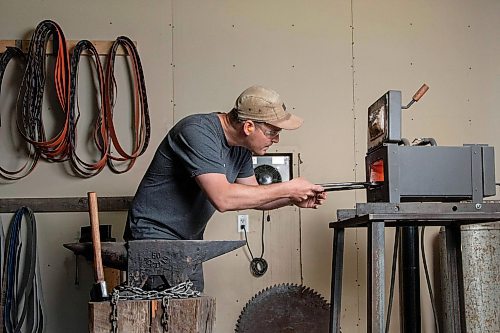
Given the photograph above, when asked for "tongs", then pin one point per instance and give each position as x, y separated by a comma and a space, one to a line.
349, 186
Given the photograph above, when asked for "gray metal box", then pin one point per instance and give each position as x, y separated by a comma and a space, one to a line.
432, 173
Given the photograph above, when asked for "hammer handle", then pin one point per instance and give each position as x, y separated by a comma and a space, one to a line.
96, 238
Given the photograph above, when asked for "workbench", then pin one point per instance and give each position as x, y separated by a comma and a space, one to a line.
376, 217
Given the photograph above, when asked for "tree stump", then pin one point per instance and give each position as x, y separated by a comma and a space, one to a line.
190, 315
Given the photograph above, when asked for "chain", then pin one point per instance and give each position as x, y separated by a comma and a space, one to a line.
114, 312
164, 316
128, 293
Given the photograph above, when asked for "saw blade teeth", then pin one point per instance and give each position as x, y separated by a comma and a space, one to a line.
263, 306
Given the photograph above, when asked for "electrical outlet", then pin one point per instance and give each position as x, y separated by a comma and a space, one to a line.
243, 223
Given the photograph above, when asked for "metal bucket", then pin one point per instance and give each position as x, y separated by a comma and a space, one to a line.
481, 274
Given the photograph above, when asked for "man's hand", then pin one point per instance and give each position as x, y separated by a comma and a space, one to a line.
304, 194
311, 202
300, 190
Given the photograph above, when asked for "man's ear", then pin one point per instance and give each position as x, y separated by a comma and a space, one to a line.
248, 127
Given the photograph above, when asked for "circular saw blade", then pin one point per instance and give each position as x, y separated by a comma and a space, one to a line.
285, 308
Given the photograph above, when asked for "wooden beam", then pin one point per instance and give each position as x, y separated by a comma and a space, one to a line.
102, 46
66, 204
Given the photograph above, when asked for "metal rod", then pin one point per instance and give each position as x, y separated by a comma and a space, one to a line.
349, 186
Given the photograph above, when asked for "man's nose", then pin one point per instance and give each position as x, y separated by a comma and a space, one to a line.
276, 139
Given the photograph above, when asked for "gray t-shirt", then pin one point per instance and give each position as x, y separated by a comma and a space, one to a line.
169, 204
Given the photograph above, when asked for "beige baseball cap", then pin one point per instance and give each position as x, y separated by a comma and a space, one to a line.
265, 105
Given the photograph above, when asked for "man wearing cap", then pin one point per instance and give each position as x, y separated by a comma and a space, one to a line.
205, 164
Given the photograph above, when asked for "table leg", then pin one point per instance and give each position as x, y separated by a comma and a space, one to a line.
376, 278
336, 286
454, 263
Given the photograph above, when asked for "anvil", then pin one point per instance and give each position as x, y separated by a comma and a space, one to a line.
170, 259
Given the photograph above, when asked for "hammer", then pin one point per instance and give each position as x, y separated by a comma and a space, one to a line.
99, 291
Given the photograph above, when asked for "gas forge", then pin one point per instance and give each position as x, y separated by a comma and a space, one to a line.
421, 171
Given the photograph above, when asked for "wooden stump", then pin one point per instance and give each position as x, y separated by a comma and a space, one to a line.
191, 315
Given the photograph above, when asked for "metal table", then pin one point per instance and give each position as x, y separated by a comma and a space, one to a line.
377, 216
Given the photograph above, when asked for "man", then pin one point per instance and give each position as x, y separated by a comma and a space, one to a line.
205, 164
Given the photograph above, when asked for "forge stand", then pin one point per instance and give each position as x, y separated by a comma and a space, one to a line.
376, 217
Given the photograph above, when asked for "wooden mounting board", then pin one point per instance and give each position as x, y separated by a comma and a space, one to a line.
102, 46
67, 204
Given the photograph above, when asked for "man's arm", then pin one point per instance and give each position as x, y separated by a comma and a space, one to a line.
310, 202
247, 194
270, 205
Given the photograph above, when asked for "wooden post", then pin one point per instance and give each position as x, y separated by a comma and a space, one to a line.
190, 315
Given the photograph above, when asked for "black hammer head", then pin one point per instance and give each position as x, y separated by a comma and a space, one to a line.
99, 292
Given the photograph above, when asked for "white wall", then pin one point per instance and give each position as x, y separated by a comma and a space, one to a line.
329, 60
